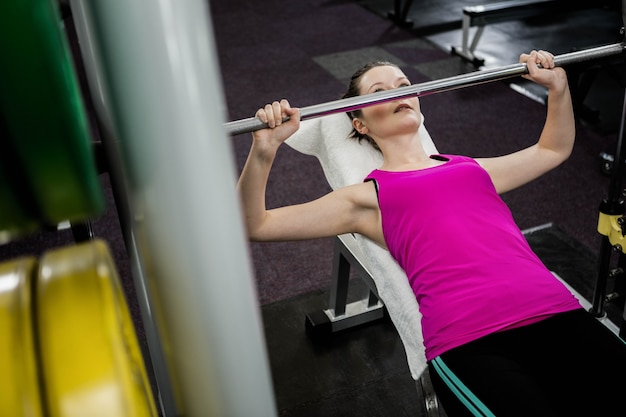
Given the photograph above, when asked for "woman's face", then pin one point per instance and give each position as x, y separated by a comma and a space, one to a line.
393, 117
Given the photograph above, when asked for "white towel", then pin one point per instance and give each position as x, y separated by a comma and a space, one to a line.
346, 161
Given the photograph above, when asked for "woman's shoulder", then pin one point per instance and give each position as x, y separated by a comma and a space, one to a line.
363, 194
361, 188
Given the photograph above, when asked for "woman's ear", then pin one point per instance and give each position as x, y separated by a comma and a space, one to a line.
359, 126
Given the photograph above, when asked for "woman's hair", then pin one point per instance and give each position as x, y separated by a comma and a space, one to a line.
353, 91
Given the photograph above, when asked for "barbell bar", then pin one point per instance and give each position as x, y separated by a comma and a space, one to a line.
252, 124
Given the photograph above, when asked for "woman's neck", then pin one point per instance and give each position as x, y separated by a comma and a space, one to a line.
404, 153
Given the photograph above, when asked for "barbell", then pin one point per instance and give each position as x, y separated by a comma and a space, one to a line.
252, 124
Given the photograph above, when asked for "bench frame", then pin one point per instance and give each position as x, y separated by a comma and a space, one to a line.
341, 315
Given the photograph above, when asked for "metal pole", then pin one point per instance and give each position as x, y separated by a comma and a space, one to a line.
612, 205
430, 87
166, 100
91, 56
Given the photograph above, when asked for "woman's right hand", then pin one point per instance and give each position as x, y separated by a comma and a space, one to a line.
278, 130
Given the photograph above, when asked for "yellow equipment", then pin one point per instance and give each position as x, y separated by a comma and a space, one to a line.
68, 341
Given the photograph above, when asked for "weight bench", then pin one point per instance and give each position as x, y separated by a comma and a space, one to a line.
482, 15
344, 162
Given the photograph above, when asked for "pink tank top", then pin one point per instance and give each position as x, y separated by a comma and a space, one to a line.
470, 267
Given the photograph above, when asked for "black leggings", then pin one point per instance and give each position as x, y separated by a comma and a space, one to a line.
567, 365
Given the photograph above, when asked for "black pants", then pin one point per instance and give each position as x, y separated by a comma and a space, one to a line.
567, 365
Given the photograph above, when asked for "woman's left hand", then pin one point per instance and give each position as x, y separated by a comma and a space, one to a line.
547, 75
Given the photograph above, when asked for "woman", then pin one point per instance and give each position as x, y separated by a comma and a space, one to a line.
503, 336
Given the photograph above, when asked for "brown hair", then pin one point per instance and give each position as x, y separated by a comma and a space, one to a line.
353, 91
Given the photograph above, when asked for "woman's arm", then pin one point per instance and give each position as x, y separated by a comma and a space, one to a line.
265, 143
557, 137
350, 209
